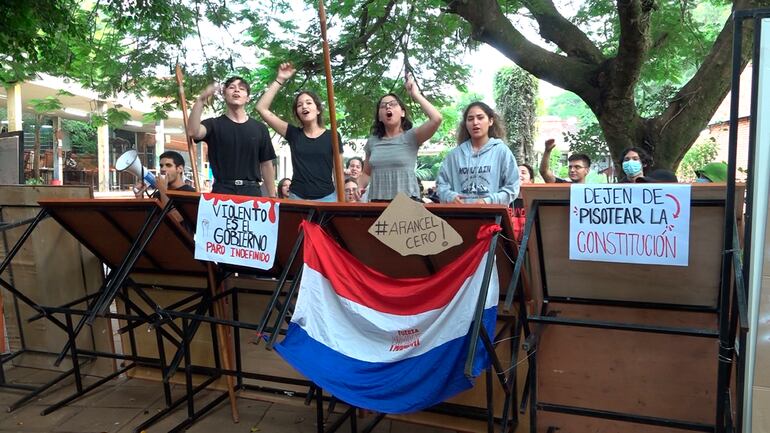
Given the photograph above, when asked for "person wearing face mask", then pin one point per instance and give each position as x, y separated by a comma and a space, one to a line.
391, 151
635, 163
481, 169
312, 156
239, 147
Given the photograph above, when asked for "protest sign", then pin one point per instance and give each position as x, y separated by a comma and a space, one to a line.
407, 227
237, 230
630, 223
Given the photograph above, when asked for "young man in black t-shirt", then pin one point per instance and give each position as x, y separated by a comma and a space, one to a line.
240, 151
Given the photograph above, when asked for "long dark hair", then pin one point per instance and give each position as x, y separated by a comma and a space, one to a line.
378, 128
314, 96
496, 130
280, 187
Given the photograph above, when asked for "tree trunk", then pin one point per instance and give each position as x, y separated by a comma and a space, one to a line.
606, 84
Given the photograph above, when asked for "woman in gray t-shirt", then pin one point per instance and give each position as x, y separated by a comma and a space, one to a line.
391, 151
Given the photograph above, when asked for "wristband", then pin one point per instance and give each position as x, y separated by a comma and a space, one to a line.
279, 83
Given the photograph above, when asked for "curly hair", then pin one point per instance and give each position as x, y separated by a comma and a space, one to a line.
644, 157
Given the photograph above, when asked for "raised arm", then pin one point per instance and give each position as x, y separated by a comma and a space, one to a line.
194, 127
545, 163
285, 72
425, 131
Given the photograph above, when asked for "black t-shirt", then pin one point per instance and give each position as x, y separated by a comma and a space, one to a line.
185, 187
560, 180
237, 149
313, 163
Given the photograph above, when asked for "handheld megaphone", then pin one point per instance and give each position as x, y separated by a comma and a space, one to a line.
130, 162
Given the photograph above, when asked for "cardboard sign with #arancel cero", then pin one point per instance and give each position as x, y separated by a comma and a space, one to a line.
407, 227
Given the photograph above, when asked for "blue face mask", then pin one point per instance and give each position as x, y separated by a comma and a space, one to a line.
632, 168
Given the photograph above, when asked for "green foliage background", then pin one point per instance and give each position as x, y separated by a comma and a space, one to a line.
515, 92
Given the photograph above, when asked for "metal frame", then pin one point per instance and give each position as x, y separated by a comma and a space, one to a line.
193, 317
117, 284
728, 309
11, 253
196, 309
730, 349
281, 302
507, 383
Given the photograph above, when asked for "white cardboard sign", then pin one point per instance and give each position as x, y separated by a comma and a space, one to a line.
630, 223
237, 230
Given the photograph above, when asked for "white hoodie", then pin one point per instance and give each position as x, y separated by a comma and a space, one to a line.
491, 174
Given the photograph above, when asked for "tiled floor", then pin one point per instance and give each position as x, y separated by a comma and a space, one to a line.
122, 404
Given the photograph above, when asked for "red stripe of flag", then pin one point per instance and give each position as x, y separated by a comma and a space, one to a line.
353, 280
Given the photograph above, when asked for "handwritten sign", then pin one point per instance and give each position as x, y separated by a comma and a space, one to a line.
634, 223
407, 227
237, 230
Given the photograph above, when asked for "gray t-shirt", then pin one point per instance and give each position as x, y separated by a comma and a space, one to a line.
392, 160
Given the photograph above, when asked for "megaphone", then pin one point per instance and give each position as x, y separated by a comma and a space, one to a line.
130, 162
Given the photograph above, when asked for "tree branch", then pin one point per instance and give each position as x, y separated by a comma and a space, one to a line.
695, 103
634, 43
489, 25
364, 34
557, 29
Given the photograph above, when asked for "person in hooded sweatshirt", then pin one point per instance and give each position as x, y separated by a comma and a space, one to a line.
481, 169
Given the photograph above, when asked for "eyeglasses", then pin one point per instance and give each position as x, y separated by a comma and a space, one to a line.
389, 104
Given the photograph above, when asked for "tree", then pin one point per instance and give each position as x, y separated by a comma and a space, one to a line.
82, 136
516, 100
37, 36
700, 154
604, 62
652, 72
589, 138
451, 113
429, 165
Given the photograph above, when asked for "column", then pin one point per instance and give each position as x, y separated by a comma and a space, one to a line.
14, 107
103, 151
58, 167
160, 141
